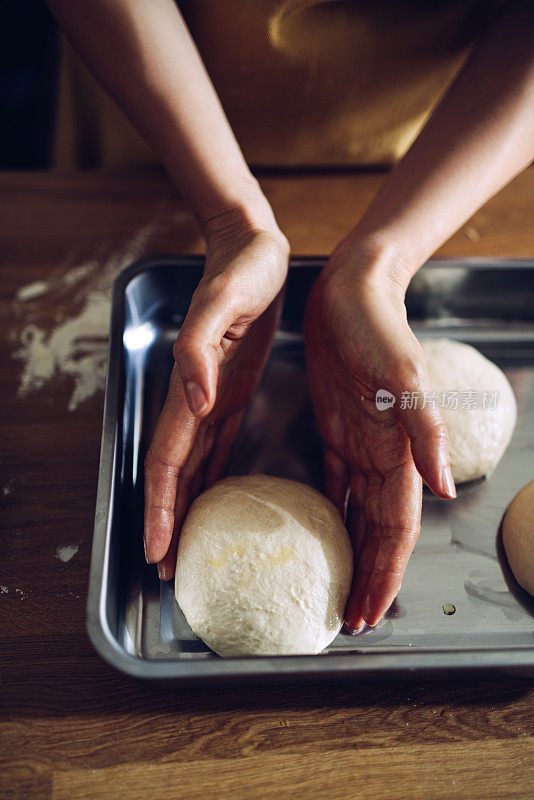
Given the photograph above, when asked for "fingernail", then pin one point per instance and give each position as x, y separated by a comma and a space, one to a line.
447, 482
372, 622
163, 572
196, 398
349, 630
370, 618
144, 548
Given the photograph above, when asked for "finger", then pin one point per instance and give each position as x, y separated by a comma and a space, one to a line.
196, 485
167, 565
212, 312
358, 488
188, 489
354, 620
366, 501
393, 509
336, 482
357, 529
426, 430
224, 440
168, 452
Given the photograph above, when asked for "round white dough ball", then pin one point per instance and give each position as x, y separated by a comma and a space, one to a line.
264, 567
518, 537
478, 436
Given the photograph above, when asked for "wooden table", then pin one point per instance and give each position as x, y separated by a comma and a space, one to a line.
73, 728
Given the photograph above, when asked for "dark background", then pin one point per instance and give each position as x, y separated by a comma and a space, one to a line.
28, 71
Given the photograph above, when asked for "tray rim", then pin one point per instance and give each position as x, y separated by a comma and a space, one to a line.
352, 664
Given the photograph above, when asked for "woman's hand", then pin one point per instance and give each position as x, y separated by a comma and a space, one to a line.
358, 341
357, 336
219, 355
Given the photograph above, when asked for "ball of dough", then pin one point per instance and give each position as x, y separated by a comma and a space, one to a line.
518, 537
478, 436
264, 567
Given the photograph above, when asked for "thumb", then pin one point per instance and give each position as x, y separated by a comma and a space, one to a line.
211, 313
417, 409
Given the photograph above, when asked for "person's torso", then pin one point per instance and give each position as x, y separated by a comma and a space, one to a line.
312, 82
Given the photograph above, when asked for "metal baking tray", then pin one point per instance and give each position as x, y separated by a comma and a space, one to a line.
133, 619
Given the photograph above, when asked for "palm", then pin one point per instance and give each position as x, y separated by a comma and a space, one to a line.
240, 366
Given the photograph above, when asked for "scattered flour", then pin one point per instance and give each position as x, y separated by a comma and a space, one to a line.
21, 592
31, 290
67, 552
77, 345
77, 274
4, 589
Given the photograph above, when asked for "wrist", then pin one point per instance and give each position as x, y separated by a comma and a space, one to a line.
372, 259
245, 214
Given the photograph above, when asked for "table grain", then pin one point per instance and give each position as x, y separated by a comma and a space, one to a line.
70, 726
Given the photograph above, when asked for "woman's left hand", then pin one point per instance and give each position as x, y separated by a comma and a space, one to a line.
219, 356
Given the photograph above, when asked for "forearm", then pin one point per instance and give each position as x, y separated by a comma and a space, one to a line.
479, 138
142, 53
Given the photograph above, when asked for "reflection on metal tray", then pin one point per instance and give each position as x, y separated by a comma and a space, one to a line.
133, 619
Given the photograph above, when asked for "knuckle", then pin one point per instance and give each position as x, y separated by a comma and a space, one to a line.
409, 374
183, 344
153, 463
163, 509
186, 345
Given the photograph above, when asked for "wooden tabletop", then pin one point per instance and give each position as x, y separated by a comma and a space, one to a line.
70, 726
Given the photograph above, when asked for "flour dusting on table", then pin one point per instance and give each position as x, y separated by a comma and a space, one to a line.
31, 290
76, 346
67, 552
8, 488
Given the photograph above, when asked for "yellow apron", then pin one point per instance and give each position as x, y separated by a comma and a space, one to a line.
305, 83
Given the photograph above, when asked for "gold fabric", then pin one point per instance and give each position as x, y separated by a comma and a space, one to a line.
303, 82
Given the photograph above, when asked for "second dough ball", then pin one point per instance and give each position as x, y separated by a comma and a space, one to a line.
518, 537
264, 567
479, 429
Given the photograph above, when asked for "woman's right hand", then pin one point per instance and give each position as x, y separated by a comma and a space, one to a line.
358, 342
219, 356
